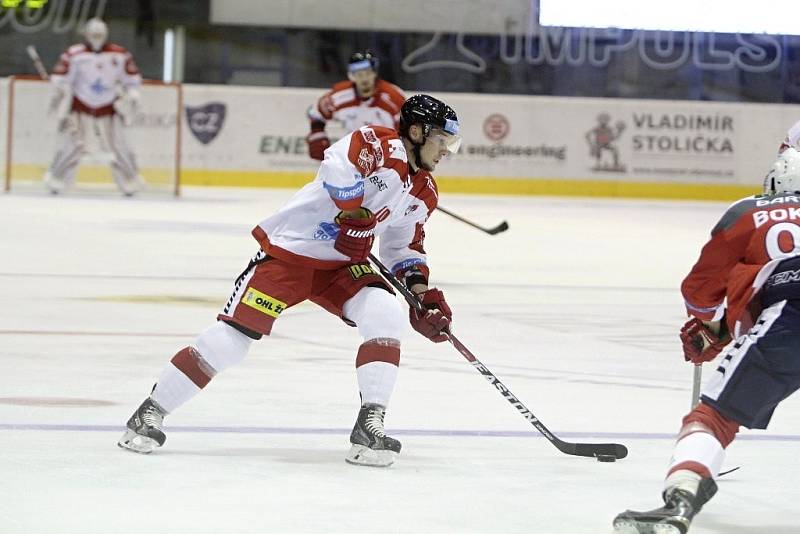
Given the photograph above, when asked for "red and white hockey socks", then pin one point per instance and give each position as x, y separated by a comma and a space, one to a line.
217, 347
376, 366
700, 449
182, 378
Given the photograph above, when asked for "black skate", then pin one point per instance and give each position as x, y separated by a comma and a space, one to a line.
674, 517
370, 444
144, 432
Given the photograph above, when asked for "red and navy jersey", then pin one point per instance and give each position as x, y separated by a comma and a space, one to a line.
752, 236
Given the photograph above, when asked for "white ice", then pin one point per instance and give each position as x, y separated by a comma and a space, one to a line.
576, 308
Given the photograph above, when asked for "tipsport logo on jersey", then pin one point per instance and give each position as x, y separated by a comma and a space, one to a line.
205, 122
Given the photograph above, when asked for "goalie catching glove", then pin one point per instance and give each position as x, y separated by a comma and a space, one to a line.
700, 341
434, 321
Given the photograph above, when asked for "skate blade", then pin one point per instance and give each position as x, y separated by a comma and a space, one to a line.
631, 526
136, 443
363, 455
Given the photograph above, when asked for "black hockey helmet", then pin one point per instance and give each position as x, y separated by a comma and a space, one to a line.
363, 60
431, 113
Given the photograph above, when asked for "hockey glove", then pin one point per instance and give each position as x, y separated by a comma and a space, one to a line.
317, 141
434, 323
700, 343
356, 235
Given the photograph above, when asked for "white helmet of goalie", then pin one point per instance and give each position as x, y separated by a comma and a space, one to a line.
96, 33
784, 176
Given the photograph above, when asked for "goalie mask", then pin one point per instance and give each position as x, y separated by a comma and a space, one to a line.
784, 176
96, 33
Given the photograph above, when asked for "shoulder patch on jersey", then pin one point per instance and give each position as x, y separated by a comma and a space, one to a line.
397, 150
341, 97
76, 49
734, 213
426, 190
113, 47
392, 95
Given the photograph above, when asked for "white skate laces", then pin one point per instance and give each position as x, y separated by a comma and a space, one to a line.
152, 416
374, 422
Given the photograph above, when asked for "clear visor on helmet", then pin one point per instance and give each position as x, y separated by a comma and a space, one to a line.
444, 140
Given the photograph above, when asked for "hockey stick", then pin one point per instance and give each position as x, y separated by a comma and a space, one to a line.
602, 451
37, 62
696, 380
502, 227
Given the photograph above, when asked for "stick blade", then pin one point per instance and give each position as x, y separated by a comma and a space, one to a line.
590, 450
502, 227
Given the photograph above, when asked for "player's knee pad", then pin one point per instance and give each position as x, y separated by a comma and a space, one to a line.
705, 418
221, 346
377, 314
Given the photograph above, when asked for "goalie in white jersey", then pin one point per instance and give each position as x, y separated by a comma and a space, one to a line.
373, 182
97, 92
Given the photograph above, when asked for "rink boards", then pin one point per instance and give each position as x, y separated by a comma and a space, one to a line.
255, 136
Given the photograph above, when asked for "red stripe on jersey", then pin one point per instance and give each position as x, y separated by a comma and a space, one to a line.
398, 166
102, 111
418, 241
350, 204
425, 189
113, 47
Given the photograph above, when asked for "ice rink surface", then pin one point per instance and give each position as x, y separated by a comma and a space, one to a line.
576, 308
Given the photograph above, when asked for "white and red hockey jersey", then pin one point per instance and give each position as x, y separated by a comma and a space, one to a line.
94, 78
343, 104
368, 168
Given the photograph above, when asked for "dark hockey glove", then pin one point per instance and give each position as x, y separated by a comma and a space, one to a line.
700, 343
356, 235
317, 141
434, 322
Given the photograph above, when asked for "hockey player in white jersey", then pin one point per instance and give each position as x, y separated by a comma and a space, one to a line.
360, 100
97, 92
374, 182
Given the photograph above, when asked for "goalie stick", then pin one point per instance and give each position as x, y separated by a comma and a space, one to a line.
502, 227
597, 450
37, 62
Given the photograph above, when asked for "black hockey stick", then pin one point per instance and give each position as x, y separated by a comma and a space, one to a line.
601, 451
502, 227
